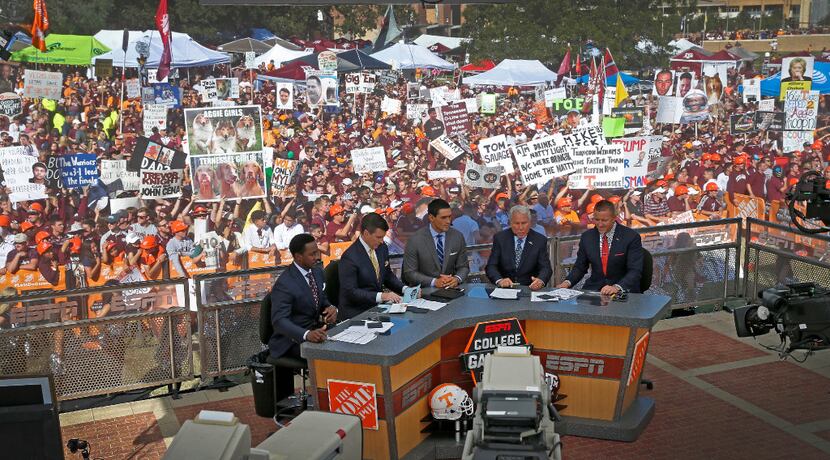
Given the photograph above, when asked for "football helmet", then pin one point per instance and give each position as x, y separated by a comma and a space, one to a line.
449, 402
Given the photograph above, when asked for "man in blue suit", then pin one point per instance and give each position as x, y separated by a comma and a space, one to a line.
299, 308
364, 270
519, 255
613, 251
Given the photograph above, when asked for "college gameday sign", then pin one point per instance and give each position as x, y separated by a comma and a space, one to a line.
488, 336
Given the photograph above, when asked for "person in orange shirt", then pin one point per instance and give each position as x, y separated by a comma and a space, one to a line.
152, 258
565, 215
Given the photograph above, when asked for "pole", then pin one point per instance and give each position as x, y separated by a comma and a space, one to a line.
124, 45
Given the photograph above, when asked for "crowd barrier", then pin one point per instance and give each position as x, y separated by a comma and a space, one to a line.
100, 340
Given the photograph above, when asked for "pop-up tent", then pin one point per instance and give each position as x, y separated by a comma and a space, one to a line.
63, 49
279, 55
347, 61
186, 53
244, 45
408, 56
771, 86
478, 67
514, 72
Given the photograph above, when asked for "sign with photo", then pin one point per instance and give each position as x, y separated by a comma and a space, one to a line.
38, 84
227, 88
598, 167
235, 175
742, 123
638, 153
224, 130
372, 159
283, 178
133, 88
663, 83
321, 88
695, 107
633, 116
543, 159
285, 96
167, 94
714, 81
496, 152
23, 175
796, 74
151, 155
161, 184
771, 121
751, 90
482, 176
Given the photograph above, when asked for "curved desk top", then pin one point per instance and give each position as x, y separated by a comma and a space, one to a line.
412, 331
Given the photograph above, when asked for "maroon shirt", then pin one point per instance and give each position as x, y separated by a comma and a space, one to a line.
756, 181
774, 189
737, 183
676, 204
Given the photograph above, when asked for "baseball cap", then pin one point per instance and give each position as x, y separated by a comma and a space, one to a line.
177, 226
427, 190
335, 209
366, 209
43, 246
681, 190
149, 242
660, 190
112, 219
454, 189
132, 238
347, 181
20, 238
26, 225
41, 235
36, 207
5, 221
564, 202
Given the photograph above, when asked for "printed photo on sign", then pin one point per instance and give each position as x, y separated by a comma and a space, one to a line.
227, 88
751, 90
321, 88
150, 155
167, 94
772, 121
413, 90
238, 175
633, 116
282, 178
23, 175
224, 130
714, 81
796, 74
372, 159
695, 108
684, 82
663, 83
161, 184
285, 96
742, 123
482, 176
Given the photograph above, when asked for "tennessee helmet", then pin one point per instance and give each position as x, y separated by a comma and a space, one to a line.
449, 402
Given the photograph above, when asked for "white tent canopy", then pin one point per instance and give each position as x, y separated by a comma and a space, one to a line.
279, 54
186, 52
408, 56
427, 40
514, 72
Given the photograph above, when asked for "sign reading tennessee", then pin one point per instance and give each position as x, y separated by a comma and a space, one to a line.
639, 359
486, 338
354, 398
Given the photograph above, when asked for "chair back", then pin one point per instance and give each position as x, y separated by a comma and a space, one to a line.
332, 275
648, 271
266, 329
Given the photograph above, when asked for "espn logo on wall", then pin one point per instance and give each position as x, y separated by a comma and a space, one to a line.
607, 367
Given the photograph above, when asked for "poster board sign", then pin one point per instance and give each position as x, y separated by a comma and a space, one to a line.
282, 178
444, 174
368, 80
224, 130
154, 116
370, 159
456, 119
150, 155
227, 88
472, 104
488, 104
285, 96
794, 140
613, 126
327, 61
771, 121
390, 105
540, 160
208, 91
103, 68
540, 112
801, 110
232, 175
38, 84
482, 176
633, 116
11, 105
694, 107
445, 146
562, 106
19, 175
352, 81
78, 169
669, 109
796, 74
133, 87
555, 94
496, 151
598, 167
321, 88
417, 112
167, 94
113, 170
751, 90
161, 184
638, 153
354, 398
663, 83
742, 123
585, 136
250, 60
767, 105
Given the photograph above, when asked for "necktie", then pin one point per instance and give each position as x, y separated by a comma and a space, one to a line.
519, 246
374, 259
604, 254
440, 248
313, 285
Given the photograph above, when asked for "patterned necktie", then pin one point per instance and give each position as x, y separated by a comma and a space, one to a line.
440, 248
313, 285
519, 246
604, 254
374, 259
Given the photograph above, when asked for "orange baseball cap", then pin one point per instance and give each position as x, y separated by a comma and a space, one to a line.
335, 209
596, 198
715, 157
36, 207
43, 246
26, 225
739, 160
75, 248
501, 195
427, 190
712, 187
5, 221
40, 236
178, 226
590, 208
681, 190
149, 242
792, 181
564, 202
614, 199
408, 208
705, 157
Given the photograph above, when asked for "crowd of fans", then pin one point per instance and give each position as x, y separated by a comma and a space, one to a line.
74, 229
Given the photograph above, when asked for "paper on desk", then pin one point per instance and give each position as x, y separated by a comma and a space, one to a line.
353, 336
411, 293
554, 295
502, 293
427, 304
378, 330
396, 308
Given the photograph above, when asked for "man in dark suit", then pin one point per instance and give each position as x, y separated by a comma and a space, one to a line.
299, 308
519, 255
436, 254
364, 270
613, 251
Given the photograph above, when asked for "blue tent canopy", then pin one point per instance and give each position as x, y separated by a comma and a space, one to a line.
261, 34
612, 80
771, 86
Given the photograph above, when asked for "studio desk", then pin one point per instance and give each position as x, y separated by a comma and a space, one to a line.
597, 346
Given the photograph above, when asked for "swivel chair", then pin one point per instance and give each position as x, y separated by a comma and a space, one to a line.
645, 284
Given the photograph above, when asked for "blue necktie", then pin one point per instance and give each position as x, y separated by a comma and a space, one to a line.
519, 245
440, 248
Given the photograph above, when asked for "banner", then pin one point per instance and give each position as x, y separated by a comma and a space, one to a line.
488, 104
444, 174
456, 119
282, 178
155, 116
321, 88
390, 105
236, 175
11, 104
78, 169
38, 84
633, 116
224, 130
150, 155
541, 160
370, 159
801, 110
772, 121
495, 152
638, 152
285, 96
669, 110
561, 107
133, 87
445, 146
113, 170
482, 176
742, 123
598, 167
585, 136
794, 140
23, 175
751, 90
796, 74
161, 184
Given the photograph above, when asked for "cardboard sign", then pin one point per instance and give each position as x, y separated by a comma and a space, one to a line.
78, 169
42, 85
250, 60
19, 175
444, 174
282, 178
390, 106
585, 136
370, 159
541, 160
495, 151
600, 167
794, 140
161, 184
234, 175
103, 68
133, 87
561, 107
555, 94
771, 121
613, 126
638, 153
227, 88
368, 81
472, 104
285, 96
445, 146
669, 109
155, 116
352, 81
751, 90
11, 104
354, 398
208, 91
166, 94
482, 176
486, 337
801, 110
488, 104
456, 119
150, 155
767, 105
417, 112
113, 170
321, 88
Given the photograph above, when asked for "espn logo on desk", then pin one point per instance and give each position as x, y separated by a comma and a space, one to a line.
560, 363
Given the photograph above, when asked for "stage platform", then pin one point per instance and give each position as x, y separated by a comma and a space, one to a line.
716, 397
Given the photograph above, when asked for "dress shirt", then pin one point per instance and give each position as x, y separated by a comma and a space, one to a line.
435, 234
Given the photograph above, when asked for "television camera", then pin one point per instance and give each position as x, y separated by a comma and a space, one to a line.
800, 314
813, 189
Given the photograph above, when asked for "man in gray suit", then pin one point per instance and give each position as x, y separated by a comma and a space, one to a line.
436, 255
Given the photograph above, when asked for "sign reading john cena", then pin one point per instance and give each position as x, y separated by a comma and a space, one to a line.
486, 337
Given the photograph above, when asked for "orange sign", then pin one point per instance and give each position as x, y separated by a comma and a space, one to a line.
354, 398
639, 359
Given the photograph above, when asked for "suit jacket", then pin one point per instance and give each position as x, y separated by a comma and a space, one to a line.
293, 311
358, 284
535, 261
420, 258
625, 260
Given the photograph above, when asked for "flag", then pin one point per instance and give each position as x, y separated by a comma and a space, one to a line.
565, 66
579, 64
40, 25
610, 65
622, 93
389, 31
163, 26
